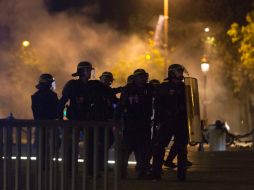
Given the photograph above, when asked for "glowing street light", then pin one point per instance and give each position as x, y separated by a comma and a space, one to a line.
163, 24
166, 36
207, 29
205, 68
25, 43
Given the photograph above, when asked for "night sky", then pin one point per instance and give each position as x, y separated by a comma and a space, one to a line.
119, 12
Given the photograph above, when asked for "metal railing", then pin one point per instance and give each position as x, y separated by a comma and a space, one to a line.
45, 164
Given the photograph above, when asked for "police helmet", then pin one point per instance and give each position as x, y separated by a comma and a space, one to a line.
130, 79
107, 74
175, 69
45, 80
81, 66
154, 82
139, 72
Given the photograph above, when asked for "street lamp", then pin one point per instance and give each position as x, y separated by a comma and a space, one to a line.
205, 68
163, 24
205, 65
166, 36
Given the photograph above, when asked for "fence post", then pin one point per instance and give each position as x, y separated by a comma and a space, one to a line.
74, 156
1, 144
253, 139
6, 160
117, 164
28, 162
1, 141
95, 156
1, 154
18, 156
106, 144
46, 157
51, 156
7, 153
40, 157
65, 159
85, 169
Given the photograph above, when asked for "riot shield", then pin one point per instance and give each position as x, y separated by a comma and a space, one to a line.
193, 110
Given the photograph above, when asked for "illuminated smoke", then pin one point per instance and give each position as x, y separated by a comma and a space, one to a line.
58, 42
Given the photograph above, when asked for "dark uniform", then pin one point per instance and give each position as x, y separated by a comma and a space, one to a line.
45, 100
44, 104
155, 83
171, 114
89, 100
107, 79
136, 108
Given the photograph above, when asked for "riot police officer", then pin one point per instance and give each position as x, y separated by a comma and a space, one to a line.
76, 91
107, 79
44, 100
136, 109
89, 100
171, 115
130, 79
44, 107
155, 83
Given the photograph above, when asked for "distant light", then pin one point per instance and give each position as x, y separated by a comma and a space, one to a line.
148, 57
111, 161
132, 163
129, 162
205, 67
80, 160
207, 29
60, 160
205, 64
25, 43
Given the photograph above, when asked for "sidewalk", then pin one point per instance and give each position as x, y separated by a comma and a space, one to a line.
230, 170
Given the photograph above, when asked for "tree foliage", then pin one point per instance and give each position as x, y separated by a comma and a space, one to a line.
242, 70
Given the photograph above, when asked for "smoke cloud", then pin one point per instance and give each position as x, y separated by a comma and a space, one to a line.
58, 42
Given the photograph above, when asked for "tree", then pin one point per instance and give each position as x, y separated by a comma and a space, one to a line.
243, 38
242, 69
